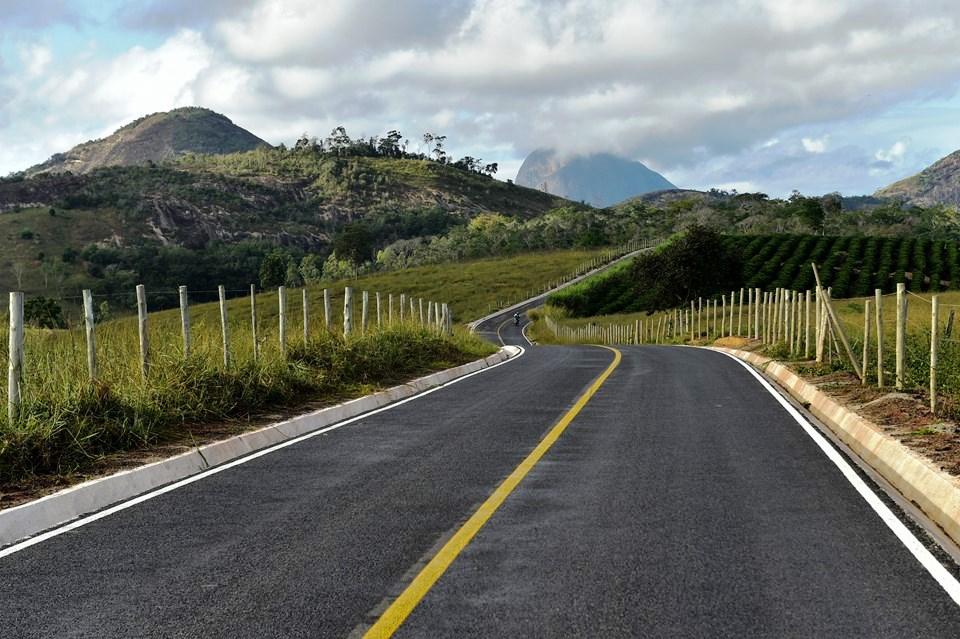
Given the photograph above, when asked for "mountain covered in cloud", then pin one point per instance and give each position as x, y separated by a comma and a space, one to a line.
939, 183
155, 138
600, 179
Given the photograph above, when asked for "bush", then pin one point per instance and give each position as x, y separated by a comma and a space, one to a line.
43, 312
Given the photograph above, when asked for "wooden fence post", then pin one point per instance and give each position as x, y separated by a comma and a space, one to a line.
806, 327
429, 313
403, 302
91, 337
184, 319
740, 315
142, 325
379, 320
901, 344
838, 329
796, 321
756, 313
306, 316
390, 309
327, 310
420, 304
730, 325
699, 318
282, 302
878, 299
224, 326
15, 357
723, 316
253, 321
365, 312
934, 346
820, 326
866, 340
347, 311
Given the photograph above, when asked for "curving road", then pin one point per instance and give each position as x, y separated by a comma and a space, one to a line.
681, 500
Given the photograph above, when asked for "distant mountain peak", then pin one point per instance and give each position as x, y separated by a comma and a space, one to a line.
154, 138
600, 179
939, 183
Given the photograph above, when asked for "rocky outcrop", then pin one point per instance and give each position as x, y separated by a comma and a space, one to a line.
939, 183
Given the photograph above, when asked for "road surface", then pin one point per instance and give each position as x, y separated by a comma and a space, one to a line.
681, 500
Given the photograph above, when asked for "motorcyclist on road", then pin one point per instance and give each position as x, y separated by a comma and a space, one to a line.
516, 319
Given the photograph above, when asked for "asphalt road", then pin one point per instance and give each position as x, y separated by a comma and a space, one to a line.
682, 501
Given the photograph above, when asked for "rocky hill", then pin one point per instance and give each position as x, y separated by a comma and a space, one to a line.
155, 138
122, 214
939, 183
600, 179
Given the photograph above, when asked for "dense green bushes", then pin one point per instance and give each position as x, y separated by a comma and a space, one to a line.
852, 266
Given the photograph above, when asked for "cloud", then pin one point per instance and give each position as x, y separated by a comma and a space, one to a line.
35, 59
173, 15
815, 145
686, 87
35, 14
894, 154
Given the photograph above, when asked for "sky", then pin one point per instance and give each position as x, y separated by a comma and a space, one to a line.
754, 95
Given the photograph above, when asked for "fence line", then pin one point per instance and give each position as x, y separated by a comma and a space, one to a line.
805, 325
16, 346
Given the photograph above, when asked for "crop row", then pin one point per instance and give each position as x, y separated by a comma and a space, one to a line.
852, 266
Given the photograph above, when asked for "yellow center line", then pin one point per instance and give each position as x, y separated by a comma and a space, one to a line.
403, 605
499, 328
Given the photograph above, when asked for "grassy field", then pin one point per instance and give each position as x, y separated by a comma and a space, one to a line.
68, 423
34, 242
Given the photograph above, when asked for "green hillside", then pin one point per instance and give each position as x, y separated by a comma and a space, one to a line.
851, 266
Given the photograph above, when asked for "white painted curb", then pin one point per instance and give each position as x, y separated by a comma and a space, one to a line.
28, 519
921, 481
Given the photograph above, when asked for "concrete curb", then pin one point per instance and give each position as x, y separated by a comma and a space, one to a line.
921, 481
28, 519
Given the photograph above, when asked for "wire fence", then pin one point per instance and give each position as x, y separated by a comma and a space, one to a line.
904, 341
232, 333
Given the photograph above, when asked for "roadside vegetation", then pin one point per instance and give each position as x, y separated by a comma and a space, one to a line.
703, 263
68, 424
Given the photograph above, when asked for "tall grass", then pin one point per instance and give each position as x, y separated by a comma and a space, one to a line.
67, 421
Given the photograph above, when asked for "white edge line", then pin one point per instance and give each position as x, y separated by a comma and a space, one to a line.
523, 331
943, 577
499, 336
82, 521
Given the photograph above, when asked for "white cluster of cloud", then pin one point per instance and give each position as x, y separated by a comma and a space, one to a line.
681, 86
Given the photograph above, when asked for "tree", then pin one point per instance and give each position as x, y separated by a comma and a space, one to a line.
438, 153
354, 243
43, 312
808, 209
273, 269
292, 277
696, 264
311, 268
389, 145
